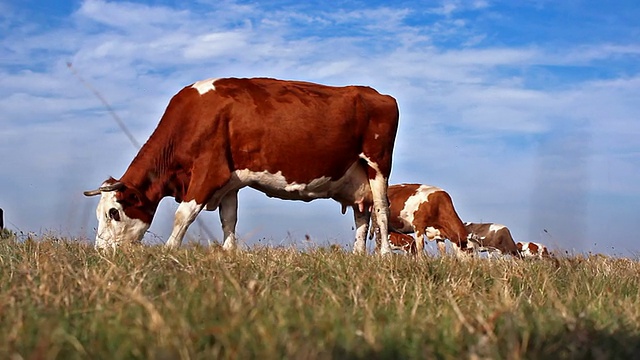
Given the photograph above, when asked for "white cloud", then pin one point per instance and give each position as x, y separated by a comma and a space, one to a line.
383, 18
480, 4
583, 55
218, 44
447, 8
128, 16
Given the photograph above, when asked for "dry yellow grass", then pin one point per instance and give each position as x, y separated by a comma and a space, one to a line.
61, 299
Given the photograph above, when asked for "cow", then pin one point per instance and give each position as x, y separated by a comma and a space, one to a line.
490, 237
291, 140
428, 212
404, 242
533, 250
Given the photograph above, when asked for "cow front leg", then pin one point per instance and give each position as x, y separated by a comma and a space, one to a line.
442, 247
421, 241
361, 219
228, 210
185, 215
460, 252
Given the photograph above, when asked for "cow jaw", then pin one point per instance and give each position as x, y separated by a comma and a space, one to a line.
115, 230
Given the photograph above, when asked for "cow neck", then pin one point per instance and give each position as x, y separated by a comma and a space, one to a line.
155, 173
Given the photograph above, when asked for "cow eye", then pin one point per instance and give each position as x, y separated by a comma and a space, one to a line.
133, 198
114, 214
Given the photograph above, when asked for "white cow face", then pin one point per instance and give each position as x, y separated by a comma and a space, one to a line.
115, 228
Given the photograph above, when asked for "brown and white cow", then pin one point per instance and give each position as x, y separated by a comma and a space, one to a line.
289, 139
490, 237
404, 242
533, 250
428, 212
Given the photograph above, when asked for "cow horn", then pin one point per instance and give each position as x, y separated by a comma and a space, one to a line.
91, 192
109, 187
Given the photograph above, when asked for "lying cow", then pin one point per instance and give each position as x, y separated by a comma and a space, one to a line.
289, 139
404, 242
491, 237
533, 250
428, 212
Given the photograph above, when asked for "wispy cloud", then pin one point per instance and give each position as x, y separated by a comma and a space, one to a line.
127, 16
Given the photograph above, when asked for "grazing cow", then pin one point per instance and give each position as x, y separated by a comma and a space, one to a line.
428, 212
289, 139
489, 237
533, 250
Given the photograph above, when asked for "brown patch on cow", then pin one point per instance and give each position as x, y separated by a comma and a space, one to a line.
534, 248
268, 144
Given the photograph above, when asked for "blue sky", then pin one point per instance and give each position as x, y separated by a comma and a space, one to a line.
526, 112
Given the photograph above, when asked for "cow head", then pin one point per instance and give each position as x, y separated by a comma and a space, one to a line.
123, 216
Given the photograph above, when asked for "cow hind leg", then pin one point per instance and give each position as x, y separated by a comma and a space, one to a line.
374, 231
379, 185
228, 211
185, 215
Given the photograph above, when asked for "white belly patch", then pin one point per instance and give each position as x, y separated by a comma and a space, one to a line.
351, 189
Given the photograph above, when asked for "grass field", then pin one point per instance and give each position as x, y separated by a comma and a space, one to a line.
62, 299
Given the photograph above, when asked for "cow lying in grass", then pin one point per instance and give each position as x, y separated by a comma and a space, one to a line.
533, 250
483, 237
495, 237
491, 238
404, 242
